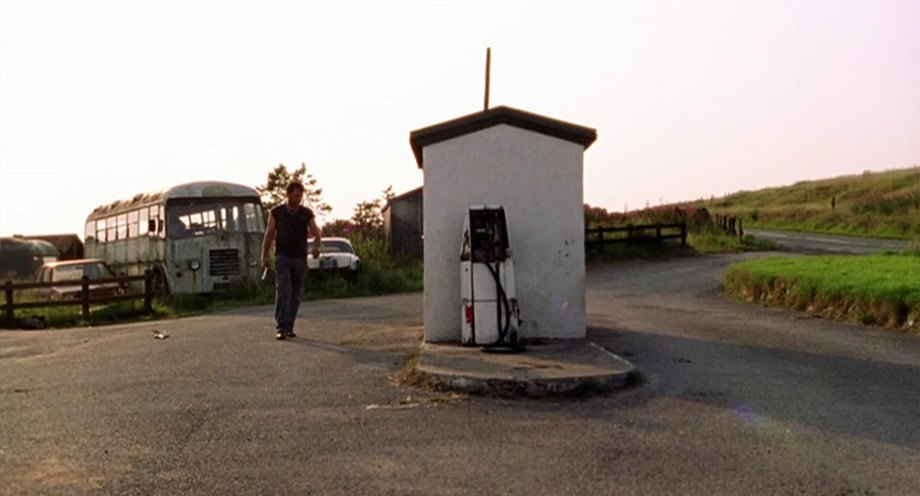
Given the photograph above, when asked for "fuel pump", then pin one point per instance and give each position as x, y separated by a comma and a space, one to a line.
489, 310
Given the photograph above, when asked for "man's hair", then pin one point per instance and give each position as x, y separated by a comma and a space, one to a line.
295, 185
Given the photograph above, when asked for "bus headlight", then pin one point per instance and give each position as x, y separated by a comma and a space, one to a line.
194, 264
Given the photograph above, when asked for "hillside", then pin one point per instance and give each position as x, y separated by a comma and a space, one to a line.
872, 204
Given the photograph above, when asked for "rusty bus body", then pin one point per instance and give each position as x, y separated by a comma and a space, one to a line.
196, 238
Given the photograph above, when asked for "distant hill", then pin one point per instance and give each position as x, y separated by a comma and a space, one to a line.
872, 204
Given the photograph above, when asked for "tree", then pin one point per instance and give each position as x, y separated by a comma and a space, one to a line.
368, 216
338, 228
273, 192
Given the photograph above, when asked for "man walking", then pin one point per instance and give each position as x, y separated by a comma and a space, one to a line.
288, 228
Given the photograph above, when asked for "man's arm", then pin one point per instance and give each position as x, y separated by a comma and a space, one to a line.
268, 241
317, 237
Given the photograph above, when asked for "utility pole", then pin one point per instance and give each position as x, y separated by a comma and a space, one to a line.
485, 105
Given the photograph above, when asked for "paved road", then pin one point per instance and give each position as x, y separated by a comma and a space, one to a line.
739, 400
824, 243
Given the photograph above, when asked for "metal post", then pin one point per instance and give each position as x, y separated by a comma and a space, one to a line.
8, 289
148, 291
683, 234
485, 104
84, 296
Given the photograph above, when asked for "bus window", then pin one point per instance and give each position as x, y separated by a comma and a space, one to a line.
122, 223
204, 217
253, 217
100, 230
155, 224
142, 222
132, 224
111, 228
209, 220
230, 218
161, 221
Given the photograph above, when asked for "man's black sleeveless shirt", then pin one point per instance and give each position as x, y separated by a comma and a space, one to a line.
291, 231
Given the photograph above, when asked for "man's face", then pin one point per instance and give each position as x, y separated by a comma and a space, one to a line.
295, 196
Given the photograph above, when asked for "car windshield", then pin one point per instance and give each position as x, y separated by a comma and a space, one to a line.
332, 246
76, 272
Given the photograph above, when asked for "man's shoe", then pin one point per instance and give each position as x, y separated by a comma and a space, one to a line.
291, 334
280, 336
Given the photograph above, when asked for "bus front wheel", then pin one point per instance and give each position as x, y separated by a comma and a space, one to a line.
160, 285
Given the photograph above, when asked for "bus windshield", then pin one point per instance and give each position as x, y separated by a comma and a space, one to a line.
188, 219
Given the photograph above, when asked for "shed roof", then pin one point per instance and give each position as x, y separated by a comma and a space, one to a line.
420, 138
402, 197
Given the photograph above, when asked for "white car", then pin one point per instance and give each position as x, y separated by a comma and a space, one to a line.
336, 254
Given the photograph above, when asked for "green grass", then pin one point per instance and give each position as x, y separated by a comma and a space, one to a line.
873, 204
881, 289
381, 273
714, 241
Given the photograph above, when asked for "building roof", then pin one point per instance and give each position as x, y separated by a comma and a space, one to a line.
420, 138
401, 197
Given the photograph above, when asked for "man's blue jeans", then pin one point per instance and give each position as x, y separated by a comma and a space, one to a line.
289, 280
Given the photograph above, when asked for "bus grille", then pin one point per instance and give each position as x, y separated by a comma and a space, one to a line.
225, 262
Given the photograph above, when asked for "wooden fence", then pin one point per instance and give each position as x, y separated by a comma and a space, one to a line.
730, 224
85, 299
595, 237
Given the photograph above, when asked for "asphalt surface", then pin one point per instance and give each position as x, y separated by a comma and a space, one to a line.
738, 400
825, 243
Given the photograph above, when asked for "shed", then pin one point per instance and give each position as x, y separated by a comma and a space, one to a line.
402, 223
533, 166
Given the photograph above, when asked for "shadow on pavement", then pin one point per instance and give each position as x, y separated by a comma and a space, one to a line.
865, 398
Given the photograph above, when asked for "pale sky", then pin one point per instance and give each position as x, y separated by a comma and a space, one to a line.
100, 100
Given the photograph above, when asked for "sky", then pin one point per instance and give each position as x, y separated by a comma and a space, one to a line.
101, 100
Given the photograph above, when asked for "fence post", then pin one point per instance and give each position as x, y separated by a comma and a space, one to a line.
740, 230
600, 240
658, 233
8, 289
84, 296
683, 235
148, 291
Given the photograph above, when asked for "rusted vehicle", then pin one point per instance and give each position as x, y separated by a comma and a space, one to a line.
20, 257
68, 276
197, 237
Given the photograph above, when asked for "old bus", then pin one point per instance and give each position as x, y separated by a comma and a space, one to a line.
196, 238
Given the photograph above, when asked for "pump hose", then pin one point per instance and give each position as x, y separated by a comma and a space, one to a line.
502, 333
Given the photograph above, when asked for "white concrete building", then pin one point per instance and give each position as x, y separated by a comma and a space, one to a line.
533, 166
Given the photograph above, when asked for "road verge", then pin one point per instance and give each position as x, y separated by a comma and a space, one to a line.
881, 289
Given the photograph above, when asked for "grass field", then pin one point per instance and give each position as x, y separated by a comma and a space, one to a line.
873, 204
879, 289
